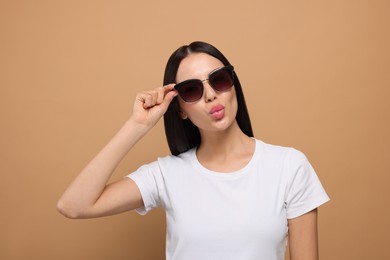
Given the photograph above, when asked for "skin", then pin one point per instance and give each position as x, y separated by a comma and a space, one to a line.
224, 148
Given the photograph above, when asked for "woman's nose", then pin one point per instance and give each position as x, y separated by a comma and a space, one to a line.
209, 92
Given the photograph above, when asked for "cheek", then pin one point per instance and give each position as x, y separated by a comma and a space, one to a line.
233, 101
191, 112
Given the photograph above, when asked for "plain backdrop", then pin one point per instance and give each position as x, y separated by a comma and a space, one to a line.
316, 75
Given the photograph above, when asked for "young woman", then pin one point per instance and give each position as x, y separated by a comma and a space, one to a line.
226, 194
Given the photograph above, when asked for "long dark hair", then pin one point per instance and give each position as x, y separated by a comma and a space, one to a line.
183, 135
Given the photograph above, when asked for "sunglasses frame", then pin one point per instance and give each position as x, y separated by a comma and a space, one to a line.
229, 68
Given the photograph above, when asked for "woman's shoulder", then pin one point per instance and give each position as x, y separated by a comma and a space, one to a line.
279, 151
271, 148
182, 158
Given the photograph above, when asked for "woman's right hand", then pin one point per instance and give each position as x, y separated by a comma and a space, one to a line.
150, 106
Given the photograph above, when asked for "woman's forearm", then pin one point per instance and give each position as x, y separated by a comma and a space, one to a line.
88, 186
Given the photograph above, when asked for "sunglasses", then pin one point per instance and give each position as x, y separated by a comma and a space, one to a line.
221, 80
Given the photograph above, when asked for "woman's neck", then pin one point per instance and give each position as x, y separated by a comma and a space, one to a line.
231, 148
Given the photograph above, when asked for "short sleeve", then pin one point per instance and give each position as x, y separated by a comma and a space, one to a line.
147, 177
304, 191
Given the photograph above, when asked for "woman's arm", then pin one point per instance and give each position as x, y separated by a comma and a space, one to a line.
89, 195
303, 237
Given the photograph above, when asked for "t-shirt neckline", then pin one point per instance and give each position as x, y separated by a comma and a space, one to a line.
240, 172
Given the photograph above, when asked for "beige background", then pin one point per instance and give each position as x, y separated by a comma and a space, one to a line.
316, 75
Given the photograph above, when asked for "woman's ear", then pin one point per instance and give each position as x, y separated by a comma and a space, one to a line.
182, 114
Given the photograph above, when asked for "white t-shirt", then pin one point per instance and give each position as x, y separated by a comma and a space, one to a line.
238, 215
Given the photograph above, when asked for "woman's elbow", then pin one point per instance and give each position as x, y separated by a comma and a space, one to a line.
66, 209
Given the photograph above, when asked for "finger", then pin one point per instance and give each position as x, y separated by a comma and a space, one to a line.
150, 98
160, 95
163, 91
168, 99
157, 96
169, 87
147, 100
154, 97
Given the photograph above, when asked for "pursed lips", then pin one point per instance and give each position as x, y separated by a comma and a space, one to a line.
217, 112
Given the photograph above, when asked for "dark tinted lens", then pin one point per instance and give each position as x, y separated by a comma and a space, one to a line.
222, 79
191, 90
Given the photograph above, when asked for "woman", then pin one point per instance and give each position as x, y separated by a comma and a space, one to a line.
226, 194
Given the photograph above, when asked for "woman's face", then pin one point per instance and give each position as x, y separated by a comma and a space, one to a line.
215, 111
